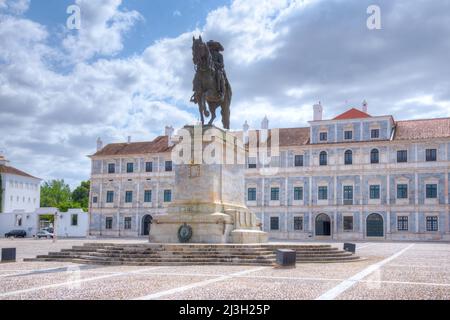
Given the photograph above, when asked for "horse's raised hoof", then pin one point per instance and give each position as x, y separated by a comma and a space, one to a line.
207, 114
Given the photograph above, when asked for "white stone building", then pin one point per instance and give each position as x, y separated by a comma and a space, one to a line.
19, 190
353, 177
71, 224
20, 206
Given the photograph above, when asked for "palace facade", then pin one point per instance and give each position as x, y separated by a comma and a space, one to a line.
354, 177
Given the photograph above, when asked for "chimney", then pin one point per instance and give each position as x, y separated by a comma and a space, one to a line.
129, 139
245, 128
264, 130
318, 112
365, 106
99, 144
169, 133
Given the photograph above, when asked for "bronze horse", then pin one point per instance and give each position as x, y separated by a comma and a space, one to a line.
205, 86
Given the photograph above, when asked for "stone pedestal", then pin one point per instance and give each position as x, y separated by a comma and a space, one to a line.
209, 194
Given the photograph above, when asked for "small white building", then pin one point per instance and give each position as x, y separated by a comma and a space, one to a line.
71, 224
19, 190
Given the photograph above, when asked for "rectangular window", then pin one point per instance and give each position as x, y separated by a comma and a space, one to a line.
109, 223
431, 191
128, 196
402, 156
374, 192
323, 136
348, 195
167, 195
148, 196
375, 156
402, 191
299, 160
348, 223
298, 223
323, 158
274, 223
323, 193
432, 224
168, 166
251, 194
127, 223
375, 133
402, 224
348, 135
111, 168
94, 199
431, 155
298, 193
275, 194
348, 157
74, 220
130, 167
149, 167
110, 197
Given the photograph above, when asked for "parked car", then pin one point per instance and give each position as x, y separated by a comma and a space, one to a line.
44, 234
49, 229
16, 234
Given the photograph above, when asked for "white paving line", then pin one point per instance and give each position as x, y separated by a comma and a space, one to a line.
366, 246
408, 283
446, 267
24, 272
350, 282
68, 283
160, 294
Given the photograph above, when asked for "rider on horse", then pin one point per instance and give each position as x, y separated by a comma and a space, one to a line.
215, 48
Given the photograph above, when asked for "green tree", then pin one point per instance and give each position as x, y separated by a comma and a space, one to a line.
81, 195
56, 193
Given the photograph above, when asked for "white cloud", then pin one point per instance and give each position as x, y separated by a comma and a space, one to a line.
281, 57
103, 25
14, 6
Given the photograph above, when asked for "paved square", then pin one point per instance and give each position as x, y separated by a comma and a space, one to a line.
389, 271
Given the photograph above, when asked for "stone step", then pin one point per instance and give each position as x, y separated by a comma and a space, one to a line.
193, 254
108, 263
170, 256
219, 246
186, 261
141, 256
184, 251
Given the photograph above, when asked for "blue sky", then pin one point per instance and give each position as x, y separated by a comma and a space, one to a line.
128, 71
162, 18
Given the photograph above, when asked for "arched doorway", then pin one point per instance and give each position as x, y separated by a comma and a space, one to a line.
323, 225
146, 223
375, 225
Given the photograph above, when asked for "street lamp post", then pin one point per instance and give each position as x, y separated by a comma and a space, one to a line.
54, 227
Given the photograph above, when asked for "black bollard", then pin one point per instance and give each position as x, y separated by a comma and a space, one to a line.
8, 255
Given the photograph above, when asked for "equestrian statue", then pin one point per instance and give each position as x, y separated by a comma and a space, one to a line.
211, 84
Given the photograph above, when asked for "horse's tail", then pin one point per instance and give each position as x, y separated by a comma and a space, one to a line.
226, 105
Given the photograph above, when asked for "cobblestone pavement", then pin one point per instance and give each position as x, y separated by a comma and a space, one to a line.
390, 271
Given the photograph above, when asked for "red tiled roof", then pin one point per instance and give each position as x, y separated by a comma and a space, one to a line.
352, 114
17, 172
159, 145
422, 129
288, 137
294, 137
405, 130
